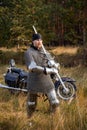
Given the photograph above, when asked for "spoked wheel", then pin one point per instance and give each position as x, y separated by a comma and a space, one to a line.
61, 92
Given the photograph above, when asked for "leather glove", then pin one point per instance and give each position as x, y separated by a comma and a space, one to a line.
50, 70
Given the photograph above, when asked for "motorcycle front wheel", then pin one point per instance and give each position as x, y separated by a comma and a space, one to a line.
66, 95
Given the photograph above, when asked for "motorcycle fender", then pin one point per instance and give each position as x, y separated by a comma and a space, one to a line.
67, 79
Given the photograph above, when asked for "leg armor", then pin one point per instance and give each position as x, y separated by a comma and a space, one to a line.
31, 103
54, 102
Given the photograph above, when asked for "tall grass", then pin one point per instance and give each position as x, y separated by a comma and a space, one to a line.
13, 115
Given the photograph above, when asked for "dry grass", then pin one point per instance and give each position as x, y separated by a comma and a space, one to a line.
4, 49
14, 49
13, 115
62, 50
54, 50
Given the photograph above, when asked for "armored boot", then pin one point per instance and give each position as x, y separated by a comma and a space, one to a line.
54, 102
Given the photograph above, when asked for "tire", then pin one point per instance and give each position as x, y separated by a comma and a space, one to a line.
63, 94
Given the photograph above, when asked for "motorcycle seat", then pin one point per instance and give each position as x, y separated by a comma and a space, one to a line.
23, 74
16, 70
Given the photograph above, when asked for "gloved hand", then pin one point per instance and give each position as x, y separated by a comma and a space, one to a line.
50, 70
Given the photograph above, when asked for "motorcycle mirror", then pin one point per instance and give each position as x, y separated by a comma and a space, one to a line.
12, 63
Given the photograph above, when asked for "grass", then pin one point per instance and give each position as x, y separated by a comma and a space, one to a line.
13, 115
63, 50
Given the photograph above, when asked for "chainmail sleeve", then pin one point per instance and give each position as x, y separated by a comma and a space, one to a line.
28, 58
31, 64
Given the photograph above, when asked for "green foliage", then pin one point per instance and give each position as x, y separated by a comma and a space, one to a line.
6, 56
60, 21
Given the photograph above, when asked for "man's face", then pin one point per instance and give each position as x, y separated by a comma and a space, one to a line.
38, 43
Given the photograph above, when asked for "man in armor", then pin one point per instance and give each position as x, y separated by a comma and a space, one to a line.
39, 79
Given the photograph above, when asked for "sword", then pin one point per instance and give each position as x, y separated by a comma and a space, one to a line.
34, 29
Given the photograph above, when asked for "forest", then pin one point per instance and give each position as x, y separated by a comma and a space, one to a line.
61, 22
63, 26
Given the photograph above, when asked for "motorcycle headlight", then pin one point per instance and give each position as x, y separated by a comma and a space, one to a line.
52, 63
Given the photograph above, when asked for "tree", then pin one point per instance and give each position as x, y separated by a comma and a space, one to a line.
60, 22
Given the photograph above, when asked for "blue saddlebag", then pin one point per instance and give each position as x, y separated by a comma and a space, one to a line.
11, 79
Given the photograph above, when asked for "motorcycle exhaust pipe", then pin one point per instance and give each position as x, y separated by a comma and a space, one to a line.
11, 88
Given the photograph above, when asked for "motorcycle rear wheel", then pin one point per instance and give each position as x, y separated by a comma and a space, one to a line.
66, 95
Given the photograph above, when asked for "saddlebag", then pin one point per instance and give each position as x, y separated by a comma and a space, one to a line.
11, 79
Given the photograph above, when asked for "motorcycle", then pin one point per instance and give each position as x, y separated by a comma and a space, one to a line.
16, 79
